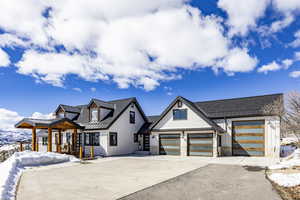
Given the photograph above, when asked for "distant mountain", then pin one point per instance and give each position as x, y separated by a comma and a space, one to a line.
9, 137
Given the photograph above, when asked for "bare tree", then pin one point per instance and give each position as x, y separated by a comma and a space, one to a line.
293, 113
289, 113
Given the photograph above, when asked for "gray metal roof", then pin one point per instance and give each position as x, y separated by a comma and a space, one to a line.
237, 107
119, 106
44, 123
68, 108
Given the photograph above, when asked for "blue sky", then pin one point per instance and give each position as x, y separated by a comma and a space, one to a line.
54, 53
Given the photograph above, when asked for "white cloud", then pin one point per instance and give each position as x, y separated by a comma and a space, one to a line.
77, 89
297, 56
296, 42
281, 24
238, 60
93, 89
9, 118
287, 63
4, 59
288, 8
38, 115
243, 16
295, 74
273, 66
138, 45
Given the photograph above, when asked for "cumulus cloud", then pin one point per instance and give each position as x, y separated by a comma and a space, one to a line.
9, 118
275, 66
243, 16
296, 42
289, 9
4, 59
295, 74
138, 45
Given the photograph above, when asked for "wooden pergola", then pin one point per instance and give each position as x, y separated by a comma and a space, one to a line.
60, 124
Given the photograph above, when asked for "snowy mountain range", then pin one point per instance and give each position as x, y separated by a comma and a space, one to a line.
10, 137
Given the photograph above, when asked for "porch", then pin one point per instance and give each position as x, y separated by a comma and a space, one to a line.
56, 126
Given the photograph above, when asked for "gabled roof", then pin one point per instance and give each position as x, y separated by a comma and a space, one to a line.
101, 103
47, 123
119, 107
194, 108
237, 107
67, 108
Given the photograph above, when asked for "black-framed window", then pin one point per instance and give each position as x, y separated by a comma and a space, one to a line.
92, 139
132, 117
135, 137
68, 138
45, 140
179, 114
113, 139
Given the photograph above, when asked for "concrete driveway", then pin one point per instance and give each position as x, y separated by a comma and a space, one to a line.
113, 178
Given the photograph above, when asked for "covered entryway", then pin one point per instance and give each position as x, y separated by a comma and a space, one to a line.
200, 144
248, 138
59, 125
169, 144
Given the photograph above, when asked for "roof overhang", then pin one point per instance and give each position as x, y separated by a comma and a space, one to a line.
62, 123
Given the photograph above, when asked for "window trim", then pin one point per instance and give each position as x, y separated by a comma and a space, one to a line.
184, 109
131, 120
110, 141
91, 139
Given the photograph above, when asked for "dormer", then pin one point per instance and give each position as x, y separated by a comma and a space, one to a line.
98, 110
65, 111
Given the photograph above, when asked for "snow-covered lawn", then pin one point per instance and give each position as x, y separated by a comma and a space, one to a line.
12, 168
287, 178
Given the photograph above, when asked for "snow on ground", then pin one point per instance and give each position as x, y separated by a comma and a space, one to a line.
287, 179
288, 140
8, 147
12, 168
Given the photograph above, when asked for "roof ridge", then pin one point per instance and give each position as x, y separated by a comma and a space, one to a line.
249, 97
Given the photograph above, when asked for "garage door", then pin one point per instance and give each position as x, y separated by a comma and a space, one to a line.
248, 138
200, 144
169, 144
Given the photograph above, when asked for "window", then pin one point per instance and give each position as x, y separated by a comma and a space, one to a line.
113, 139
179, 114
132, 117
45, 140
135, 137
94, 115
68, 137
92, 139
179, 104
61, 115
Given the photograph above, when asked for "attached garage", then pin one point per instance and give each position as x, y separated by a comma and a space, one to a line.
169, 144
200, 144
248, 138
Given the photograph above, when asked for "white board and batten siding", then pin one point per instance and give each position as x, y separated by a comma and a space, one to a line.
193, 121
125, 131
272, 134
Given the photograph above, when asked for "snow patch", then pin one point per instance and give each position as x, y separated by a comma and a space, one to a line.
12, 168
287, 179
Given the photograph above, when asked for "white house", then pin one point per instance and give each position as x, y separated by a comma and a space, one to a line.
230, 127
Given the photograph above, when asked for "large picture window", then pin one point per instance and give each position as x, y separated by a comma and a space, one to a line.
113, 139
179, 114
92, 139
132, 117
